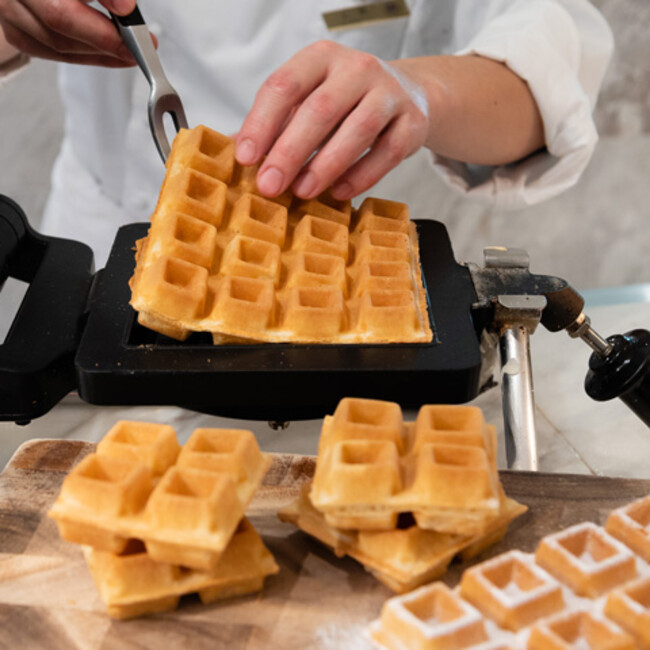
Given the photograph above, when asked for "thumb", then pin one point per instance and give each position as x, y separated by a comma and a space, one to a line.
119, 7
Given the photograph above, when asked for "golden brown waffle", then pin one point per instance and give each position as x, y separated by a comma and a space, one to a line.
629, 606
631, 524
184, 506
223, 259
596, 598
512, 590
406, 622
403, 558
591, 630
586, 558
372, 466
132, 584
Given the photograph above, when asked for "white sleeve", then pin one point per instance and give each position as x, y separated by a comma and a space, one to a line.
561, 48
9, 69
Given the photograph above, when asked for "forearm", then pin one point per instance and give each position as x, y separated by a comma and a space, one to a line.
480, 112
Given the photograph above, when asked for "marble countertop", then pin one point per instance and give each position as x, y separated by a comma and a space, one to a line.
575, 434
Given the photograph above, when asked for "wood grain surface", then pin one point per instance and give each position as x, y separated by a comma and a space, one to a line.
48, 600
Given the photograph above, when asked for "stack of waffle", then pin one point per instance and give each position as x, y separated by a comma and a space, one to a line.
404, 498
221, 258
158, 521
585, 587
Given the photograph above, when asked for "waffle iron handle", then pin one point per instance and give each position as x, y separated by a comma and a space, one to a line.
12, 230
37, 354
515, 318
517, 399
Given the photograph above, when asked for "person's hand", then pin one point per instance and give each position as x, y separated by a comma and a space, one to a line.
358, 115
66, 30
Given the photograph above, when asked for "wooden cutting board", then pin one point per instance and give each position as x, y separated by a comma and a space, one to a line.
48, 600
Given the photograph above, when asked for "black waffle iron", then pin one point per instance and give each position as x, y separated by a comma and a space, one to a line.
75, 330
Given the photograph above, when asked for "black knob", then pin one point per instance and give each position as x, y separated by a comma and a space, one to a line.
624, 372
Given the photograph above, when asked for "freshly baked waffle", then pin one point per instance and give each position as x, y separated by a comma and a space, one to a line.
511, 590
371, 467
221, 258
592, 631
372, 500
184, 506
629, 606
132, 584
157, 521
631, 525
586, 558
598, 597
430, 618
403, 558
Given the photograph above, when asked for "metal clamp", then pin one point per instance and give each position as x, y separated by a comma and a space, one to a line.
514, 317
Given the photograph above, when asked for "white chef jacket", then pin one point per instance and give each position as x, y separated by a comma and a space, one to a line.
217, 54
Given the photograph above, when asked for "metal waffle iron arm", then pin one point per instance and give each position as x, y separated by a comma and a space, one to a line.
514, 302
162, 98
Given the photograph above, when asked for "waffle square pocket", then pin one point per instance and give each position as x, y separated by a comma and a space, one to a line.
317, 270
260, 219
387, 312
338, 275
383, 215
317, 235
363, 473
210, 153
629, 606
631, 525
244, 299
587, 559
153, 444
382, 276
326, 207
578, 629
456, 486
511, 590
312, 311
252, 258
451, 424
375, 246
195, 194
364, 419
430, 618
107, 489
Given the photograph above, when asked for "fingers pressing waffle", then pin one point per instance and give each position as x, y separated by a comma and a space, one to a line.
221, 258
184, 504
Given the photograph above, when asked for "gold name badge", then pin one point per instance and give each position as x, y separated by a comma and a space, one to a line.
372, 12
